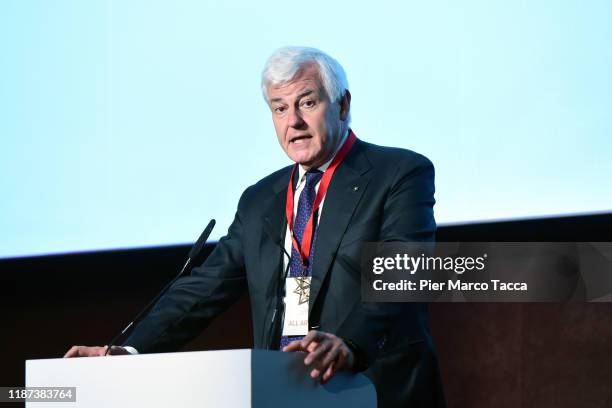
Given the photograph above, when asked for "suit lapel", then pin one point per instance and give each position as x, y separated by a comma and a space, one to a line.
345, 191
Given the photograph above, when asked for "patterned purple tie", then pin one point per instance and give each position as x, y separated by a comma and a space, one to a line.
301, 218
304, 209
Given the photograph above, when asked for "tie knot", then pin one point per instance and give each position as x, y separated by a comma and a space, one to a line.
313, 177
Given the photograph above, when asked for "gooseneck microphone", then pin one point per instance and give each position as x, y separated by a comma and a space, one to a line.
280, 288
274, 237
194, 254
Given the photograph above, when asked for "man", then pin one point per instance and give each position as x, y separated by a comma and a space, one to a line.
340, 193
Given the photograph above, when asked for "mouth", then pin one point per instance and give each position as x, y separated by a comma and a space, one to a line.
299, 139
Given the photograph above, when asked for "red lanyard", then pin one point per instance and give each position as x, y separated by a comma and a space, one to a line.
304, 249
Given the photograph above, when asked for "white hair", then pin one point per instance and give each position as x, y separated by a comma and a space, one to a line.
285, 63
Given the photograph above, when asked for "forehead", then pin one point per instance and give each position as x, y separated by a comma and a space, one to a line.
306, 80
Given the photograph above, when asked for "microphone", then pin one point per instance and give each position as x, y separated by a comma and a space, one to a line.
196, 249
280, 290
195, 253
275, 238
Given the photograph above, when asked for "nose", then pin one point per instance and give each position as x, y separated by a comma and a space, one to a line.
295, 119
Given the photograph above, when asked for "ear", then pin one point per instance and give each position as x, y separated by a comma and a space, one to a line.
345, 105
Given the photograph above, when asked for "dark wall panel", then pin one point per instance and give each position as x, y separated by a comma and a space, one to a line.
491, 355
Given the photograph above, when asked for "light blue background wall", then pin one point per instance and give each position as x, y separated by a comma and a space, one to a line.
132, 123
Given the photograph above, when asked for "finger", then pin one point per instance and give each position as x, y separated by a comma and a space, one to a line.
313, 346
341, 362
295, 345
323, 366
312, 336
318, 352
72, 352
118, 351
306, 343
100, 351
346, 359
315, 373
330, 357
331, 370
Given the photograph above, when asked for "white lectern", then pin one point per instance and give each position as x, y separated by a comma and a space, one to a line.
229, 378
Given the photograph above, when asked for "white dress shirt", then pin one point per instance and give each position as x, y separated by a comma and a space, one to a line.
290, 312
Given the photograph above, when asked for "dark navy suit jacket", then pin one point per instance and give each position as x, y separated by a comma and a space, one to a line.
377, 194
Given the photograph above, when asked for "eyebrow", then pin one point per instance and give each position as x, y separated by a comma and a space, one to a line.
302, 94
305, 92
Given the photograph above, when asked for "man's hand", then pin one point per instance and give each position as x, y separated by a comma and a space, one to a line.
327, 353
86, 351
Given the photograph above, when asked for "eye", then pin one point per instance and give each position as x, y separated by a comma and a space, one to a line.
279, 110
308, 103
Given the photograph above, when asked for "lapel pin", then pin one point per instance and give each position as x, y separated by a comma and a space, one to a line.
355, 188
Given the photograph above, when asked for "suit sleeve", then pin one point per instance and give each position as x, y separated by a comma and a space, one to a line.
196, 299
407, 216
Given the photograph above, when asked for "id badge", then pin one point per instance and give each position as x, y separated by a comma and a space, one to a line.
297, 290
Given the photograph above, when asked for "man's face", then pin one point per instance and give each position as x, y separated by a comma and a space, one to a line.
307, 124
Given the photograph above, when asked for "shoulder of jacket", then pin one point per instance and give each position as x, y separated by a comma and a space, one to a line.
394, 156
268, 182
